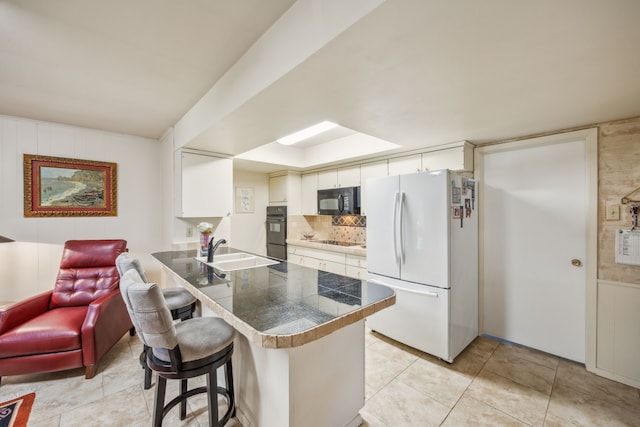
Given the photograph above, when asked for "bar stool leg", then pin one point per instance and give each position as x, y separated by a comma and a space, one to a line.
145, 366
212, 397
228, 371
158, 403
183, 403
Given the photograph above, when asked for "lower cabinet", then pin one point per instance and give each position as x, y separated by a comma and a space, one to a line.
333, 262
356, 266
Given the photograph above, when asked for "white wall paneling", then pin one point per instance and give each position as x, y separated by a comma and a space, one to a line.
618, 341
141, 200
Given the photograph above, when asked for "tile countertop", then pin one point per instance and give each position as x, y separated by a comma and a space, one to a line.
311, 243
278, 306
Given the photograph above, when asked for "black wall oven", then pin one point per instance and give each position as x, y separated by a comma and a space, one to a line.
277, 232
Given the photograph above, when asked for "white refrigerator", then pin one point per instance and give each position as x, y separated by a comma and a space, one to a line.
422, 241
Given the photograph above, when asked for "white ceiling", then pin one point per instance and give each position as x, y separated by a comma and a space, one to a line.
413, 72
133, 67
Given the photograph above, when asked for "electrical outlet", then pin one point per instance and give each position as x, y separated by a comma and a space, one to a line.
613, 213
189, 231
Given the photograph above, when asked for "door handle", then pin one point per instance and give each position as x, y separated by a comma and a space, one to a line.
576, 262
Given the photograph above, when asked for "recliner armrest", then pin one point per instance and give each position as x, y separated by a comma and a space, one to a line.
22, 311
107, 320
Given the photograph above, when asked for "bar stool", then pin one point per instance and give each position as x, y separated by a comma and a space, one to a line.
181, 304
180, 350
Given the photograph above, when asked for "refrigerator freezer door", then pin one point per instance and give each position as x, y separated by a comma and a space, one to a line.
419, 318
382, 246
425, 228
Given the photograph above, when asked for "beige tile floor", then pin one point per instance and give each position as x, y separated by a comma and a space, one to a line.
490, 383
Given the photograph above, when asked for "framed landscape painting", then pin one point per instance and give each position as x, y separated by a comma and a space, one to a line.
60, 187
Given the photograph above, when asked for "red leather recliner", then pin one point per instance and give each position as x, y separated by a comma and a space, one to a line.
73, 325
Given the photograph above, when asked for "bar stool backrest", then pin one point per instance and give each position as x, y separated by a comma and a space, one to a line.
148, 311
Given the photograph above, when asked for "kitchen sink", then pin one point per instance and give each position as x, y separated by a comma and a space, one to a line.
232, 257
237, 261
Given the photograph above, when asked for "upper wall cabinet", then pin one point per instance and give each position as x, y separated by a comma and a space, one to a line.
327, 179
284, 190
405, 164
349, 176
310, 194
341, 177
458, 158
368, 171
203, 185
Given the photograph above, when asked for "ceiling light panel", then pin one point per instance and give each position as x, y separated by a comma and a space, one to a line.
307, 133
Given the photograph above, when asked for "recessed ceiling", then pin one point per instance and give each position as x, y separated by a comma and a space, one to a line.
415, 73
332, 147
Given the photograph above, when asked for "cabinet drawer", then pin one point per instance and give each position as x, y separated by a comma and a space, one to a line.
320, 254
295, 259
357, 261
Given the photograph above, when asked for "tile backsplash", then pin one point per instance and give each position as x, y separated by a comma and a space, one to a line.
350, 228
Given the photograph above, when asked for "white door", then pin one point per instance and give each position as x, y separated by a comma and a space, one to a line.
534, 246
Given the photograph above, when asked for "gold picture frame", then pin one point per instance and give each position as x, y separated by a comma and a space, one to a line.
62, 187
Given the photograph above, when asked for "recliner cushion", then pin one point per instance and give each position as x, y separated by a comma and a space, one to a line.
56, 330
82, 286
87, 271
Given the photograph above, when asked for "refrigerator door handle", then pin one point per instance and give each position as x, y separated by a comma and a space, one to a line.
396, 200
410, 291
401, 203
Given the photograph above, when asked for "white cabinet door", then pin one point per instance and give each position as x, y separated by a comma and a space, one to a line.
342, 177
204, 185
356, 266
453, 159
310, 194
367, 171
278, 189
355, 272
349, 177
404, 165
286, 190
327, 179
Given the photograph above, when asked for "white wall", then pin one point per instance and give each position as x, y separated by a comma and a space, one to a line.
141, 201
248, 230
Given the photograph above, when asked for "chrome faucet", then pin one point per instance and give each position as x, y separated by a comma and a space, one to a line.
212, 248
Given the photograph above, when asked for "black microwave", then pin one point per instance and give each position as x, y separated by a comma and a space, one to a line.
339, 201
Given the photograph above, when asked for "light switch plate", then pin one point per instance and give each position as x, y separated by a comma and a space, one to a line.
613, 212
189, 231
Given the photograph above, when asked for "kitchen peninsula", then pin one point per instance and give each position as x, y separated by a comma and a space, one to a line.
299, 354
